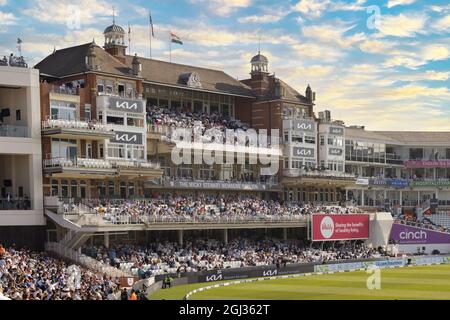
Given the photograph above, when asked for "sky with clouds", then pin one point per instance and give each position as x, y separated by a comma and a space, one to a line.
383, 64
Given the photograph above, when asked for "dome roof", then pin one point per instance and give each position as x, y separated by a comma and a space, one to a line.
259, 58
114, 28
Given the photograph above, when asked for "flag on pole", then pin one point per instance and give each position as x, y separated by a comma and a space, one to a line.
151, 23
129, 38
19, 46
175, 39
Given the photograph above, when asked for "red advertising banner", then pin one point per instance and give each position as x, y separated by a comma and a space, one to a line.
331, 227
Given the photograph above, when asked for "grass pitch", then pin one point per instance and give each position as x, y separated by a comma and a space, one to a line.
409, 283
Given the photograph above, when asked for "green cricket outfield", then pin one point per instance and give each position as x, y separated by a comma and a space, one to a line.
423, 282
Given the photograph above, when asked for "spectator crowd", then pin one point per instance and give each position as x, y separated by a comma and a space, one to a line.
27, 275
193, 256
205, 208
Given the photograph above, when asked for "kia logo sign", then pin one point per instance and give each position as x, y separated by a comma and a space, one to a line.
304, 152
270, 273
127, 138
126, 105
304, 125
335, 152
327, 227
214, 277
337, 131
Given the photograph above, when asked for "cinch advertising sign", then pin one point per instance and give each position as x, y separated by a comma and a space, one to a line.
403, 234
331, 227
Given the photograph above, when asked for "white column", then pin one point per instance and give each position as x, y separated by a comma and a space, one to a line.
225, 236
284, 233
400, 199
35, 181
362, 197
106, 239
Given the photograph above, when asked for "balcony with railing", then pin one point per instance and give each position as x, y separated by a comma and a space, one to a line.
64, 90
92, 213
71, 128
316, 173
7, 130
80, 165
15, 204
151, 170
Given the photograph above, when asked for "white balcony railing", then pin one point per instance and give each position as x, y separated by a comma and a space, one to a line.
76, 125
13, 131
315, 173
135, 164
77, 163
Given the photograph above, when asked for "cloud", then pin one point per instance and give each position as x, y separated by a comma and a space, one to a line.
7, 19
312, 8
442, 24
413, 59
345, 6
402, 25
223, 7
315, 8
393, 3
3, 2
269, 16
415, 91
68, 12
440, 9
317, 51
376, 46
333, 33
435, 52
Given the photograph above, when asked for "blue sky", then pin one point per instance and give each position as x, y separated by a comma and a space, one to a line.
383, 64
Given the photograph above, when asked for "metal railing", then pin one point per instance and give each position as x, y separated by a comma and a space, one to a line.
134, 164
76, 124
132, 96
84, 260
77, 163
64, 90
15, 204
318, 173
88, 163
13, 131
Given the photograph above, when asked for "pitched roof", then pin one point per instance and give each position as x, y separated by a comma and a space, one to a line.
401, 137
290, 94
358, 133
72, 60
174, 74
419, 137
